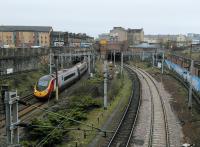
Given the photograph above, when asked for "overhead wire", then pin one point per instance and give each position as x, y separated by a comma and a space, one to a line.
61, 116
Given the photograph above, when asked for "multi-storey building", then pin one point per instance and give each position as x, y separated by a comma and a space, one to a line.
75, 40
181, 40
59, 38
195, 38
135, 36
120, 32
25, 36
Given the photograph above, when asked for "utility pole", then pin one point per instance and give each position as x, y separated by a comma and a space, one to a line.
122, 60
93, 61
132, 55
105, 84
163, 59
153, 59
56, 65
50, 64
142, 55
190, 82
111, 56
156, 59
114, 58
70, 58
11, 102
89, 67
62, 56
190, 87
2, 39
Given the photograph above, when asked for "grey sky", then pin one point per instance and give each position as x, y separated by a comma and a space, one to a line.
99, 16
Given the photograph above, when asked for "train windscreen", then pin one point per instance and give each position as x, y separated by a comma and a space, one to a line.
43, 83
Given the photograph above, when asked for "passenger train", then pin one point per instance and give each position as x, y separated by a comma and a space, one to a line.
46, 86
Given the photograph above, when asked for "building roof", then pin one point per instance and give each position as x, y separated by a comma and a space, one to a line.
147, 45
58, 33
135, 30
25, 28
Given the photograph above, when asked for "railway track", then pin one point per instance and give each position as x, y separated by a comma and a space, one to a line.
124, 130
157, 131
23, 110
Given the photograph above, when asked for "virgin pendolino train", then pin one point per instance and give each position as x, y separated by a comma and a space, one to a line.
46, 86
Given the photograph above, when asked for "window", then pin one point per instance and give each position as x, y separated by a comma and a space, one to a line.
69, 76
43, 83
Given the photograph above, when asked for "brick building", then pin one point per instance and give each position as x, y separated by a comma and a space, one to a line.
25, 36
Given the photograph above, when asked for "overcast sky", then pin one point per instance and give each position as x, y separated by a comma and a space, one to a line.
99, 16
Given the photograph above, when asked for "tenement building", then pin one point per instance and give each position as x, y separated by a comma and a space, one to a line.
25, 36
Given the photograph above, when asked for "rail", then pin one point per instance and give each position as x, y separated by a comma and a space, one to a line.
127, 123
163, 108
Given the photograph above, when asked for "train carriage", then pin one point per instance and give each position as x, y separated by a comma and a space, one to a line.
46, 85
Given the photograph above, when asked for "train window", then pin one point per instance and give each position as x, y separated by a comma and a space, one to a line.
43, 83
69, 76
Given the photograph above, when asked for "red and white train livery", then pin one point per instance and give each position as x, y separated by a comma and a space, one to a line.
46, 85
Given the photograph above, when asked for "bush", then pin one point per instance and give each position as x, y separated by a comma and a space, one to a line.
44, 128
39, 132
115, 87
85, 103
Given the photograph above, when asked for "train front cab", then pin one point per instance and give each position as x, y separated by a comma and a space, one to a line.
44, 87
